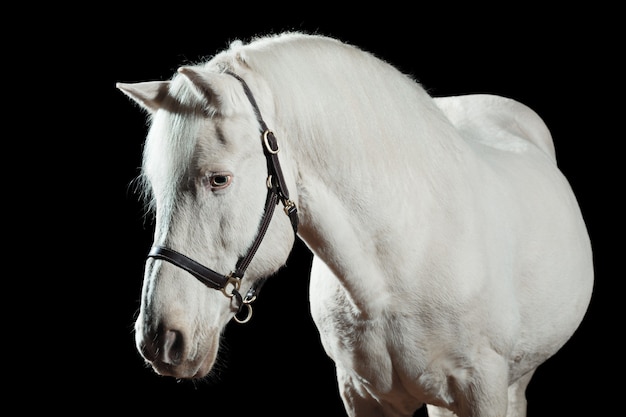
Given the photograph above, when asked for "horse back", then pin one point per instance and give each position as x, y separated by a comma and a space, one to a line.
498, 122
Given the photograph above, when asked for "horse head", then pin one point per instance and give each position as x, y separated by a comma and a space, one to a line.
205, 172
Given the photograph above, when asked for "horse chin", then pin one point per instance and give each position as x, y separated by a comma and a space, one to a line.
190, 370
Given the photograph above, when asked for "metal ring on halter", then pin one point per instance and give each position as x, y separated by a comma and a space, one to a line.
235, 282
267, 143
248, 316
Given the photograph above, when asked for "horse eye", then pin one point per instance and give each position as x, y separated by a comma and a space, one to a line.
217, 181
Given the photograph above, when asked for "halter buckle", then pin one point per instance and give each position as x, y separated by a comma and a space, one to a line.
266, 141
288, 206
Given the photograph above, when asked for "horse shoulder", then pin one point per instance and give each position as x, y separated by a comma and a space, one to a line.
496, 121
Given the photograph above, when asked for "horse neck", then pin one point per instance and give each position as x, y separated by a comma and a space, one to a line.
367, 178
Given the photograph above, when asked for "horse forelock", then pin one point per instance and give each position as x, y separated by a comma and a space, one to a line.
171, 141
178, 129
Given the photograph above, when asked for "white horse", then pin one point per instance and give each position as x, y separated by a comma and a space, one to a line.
450, 255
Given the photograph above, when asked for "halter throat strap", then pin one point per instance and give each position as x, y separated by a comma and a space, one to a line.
277, 191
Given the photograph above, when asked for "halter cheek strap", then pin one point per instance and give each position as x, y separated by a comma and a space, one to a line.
277, 191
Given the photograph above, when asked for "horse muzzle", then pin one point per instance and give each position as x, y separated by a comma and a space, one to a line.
171, 352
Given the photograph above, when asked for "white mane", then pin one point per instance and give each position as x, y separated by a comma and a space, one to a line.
310, 77
386, 119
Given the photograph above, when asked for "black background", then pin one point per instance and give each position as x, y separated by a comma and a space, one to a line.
558, 64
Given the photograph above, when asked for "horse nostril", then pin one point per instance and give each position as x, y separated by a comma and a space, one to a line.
165, 346
172, 347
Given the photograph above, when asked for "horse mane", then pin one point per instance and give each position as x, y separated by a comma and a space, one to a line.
176, 152
336, 94
314, 73
341, 105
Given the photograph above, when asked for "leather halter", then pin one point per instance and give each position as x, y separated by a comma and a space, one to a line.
277, 191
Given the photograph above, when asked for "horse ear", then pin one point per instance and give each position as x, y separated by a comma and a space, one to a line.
148, 95
212, 88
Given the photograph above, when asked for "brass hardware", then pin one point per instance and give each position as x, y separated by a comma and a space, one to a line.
288, 205
248, 316
232, 281
267, 143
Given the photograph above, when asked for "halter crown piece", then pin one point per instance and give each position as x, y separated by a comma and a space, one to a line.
277, 191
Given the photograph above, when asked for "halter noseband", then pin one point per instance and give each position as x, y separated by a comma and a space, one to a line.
276, 191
